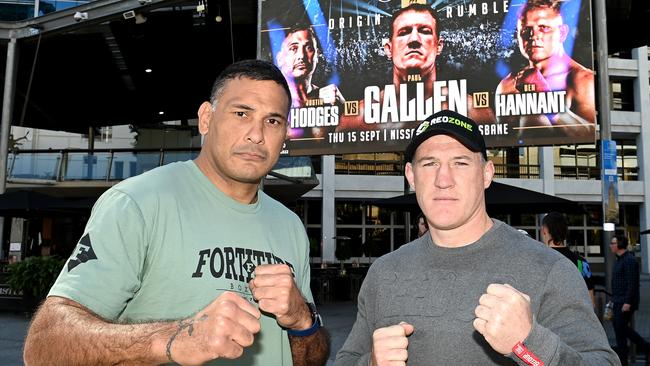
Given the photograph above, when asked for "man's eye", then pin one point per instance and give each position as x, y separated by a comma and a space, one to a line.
241, 114
274, 121
403, 32
426, 30
461, 163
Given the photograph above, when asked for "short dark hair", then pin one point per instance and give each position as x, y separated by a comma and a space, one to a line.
554, 5
250, 69
417, 8
556, 225
621, 241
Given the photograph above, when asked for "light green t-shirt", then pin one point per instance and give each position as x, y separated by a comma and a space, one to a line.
166, 243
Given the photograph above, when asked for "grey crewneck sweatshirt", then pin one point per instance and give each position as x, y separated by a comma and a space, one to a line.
436, 289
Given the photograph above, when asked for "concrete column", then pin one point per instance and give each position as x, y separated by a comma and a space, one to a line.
642, 105
547, 169
7, 116
328, 220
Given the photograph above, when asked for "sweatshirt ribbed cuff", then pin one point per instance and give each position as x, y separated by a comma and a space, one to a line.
542, 342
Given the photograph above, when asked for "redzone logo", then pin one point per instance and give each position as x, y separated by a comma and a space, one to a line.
523, 353
531, 361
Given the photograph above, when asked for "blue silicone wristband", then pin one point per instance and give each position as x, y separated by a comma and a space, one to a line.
305, 332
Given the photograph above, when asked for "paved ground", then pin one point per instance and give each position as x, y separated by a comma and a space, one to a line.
338, 318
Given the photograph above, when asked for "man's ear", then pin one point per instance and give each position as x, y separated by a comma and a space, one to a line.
564, 32
205, 115
410, 177
388, 50
488, 173
441, 43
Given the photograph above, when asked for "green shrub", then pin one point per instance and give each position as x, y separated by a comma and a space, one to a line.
35, 275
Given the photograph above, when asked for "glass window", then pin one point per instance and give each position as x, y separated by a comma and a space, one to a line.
377, 215
314, 211
348, 213
348, 242
377, 242
35, 166
400, 239
388, 163
622, 95
83, 166
574, 219
523, 220
522, 162
626, 160
577, 162
314, 235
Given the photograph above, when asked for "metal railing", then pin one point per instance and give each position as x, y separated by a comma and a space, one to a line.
118, 164
526, 171
99, 164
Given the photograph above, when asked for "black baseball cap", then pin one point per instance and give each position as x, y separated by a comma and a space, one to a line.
450, 123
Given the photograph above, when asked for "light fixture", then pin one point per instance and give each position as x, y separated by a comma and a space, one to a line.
218, 18
148, 71
140, 19
79, 16
161, 113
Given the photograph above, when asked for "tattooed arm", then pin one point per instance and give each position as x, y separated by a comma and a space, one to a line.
310, 350
64, 332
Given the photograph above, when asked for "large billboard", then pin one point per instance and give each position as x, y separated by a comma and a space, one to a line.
363, 74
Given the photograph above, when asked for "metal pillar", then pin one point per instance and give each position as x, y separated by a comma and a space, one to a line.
642, 105
7, 115
328, 218
600, 24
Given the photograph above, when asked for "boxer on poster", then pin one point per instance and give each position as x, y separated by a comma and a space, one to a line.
541, 32
413, 47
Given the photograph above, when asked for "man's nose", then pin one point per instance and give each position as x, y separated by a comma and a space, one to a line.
536, 33
300, 53
444, 178
414, 36
255, 133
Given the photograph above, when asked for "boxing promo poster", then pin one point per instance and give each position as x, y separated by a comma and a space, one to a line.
364, 73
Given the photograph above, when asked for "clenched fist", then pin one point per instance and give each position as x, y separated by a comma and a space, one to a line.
390, 345
331, 94
504, 317
276, 292
221, 330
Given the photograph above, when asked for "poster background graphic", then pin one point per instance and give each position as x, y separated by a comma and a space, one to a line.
480, 48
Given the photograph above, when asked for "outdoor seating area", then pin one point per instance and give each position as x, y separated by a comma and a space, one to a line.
331, 284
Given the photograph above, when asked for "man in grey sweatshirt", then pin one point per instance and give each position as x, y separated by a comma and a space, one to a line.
474, 291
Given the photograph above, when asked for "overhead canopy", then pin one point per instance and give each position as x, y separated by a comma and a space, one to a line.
24, 203
500, 198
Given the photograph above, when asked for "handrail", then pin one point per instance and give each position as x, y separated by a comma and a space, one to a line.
102, 164
38, 151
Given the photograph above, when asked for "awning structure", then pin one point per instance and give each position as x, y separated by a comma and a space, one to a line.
290, 178
500, 198
29, 203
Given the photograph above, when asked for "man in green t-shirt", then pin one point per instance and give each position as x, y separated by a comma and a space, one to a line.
191, 263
